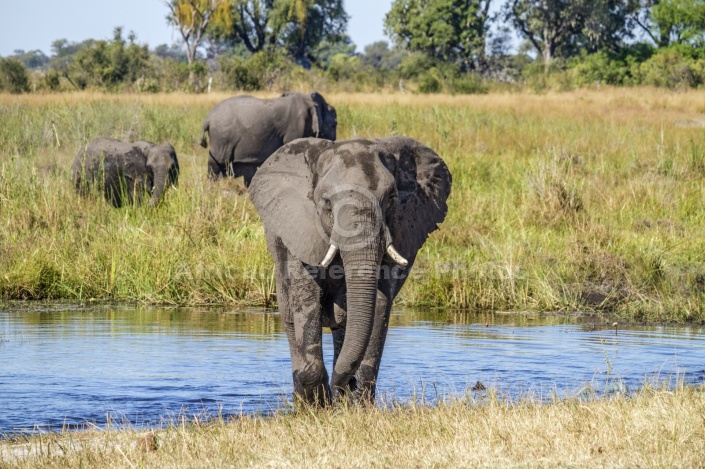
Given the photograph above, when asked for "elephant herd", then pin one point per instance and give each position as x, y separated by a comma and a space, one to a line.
343, 221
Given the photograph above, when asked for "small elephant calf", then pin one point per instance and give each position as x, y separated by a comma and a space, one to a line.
125, 171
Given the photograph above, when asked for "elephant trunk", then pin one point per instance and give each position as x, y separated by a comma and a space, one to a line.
160, 182
361, 284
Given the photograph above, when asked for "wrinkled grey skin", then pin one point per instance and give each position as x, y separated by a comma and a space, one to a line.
360, 196
244, 131
125, 171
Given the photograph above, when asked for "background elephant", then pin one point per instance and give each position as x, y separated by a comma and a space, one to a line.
244, 131
344, 221
125, 171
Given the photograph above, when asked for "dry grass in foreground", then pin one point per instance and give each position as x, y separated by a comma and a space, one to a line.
656, 428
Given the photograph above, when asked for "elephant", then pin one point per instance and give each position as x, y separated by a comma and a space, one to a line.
244, 130
344, 221
125, 171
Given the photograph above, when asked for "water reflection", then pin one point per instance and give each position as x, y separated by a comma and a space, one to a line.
61, 365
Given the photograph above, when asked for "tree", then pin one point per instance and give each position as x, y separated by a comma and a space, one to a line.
608, 25
379, 56
32, 59
563, 27
110, 63
448, 30
173, 52
669, 22
193, 17
297, 25
63, 56
310, 22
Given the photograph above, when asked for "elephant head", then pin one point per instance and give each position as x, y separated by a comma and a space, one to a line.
353, 202
325, 120
162, 163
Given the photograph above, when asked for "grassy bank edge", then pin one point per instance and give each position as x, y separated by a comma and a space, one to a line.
655, 427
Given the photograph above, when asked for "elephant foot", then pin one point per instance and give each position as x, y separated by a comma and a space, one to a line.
311, 387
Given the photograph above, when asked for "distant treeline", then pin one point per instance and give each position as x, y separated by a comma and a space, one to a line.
452, 46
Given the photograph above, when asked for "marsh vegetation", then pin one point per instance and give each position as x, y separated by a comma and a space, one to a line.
586, 200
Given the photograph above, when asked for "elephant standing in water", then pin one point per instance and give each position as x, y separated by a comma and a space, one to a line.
344, 221
244, 131
125, 171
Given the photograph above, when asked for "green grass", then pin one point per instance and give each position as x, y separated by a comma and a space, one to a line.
580, 201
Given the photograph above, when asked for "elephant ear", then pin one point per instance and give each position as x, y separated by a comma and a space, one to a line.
319, 104
423, 187
282, 193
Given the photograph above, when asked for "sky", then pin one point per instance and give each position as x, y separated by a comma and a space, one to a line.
30, 25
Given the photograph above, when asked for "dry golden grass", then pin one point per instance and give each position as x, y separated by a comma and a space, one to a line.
606, 102
653, 429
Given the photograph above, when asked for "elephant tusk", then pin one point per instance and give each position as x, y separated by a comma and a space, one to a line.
332, 251
396, 257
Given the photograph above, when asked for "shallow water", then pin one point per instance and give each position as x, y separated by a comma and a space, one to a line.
66, 367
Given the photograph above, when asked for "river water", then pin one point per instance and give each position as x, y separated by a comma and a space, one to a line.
69, 367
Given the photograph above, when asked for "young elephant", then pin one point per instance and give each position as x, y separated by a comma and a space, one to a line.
344, 221
244, 131
125, 171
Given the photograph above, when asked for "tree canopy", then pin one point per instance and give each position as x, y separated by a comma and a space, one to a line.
669, 22
448, 30
298, 26
563, 27
193, 17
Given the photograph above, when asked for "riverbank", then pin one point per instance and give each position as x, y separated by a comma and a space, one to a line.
591, 200
655, 428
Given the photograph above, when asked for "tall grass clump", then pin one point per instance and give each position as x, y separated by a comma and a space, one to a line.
589, 200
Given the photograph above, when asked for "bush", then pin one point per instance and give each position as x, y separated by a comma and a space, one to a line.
539, 77
429, 82
261, 71
599, 68
346, 67
238, 75
414, 65
52, 80
170, 74
13, 76
669, 68
470, 83
197, 76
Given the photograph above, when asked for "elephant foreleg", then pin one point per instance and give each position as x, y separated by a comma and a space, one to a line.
247, 171
305, 337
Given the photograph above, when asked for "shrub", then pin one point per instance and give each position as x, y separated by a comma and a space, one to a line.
345, 67
599, 68
429, 82
261, 71
52, 80
469, 83
670, 68
540, 77
238, 75
13, 76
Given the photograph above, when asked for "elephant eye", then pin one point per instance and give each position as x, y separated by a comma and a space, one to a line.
327, 205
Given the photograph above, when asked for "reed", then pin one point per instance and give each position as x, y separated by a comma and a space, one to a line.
589, 200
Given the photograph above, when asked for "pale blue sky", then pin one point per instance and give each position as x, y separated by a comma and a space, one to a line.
30, 25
